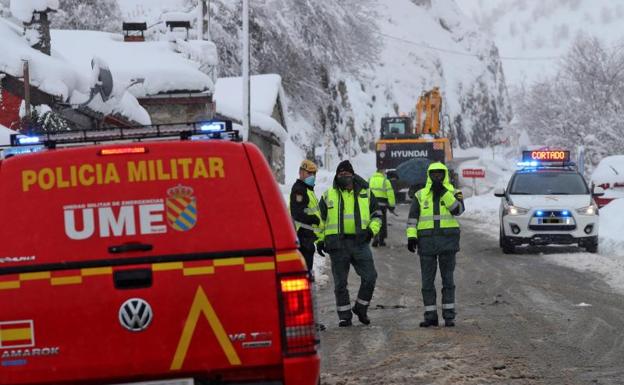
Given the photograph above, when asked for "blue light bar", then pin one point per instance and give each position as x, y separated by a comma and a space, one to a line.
539, 213
528, 164
9, 152
212, 126
565, 213
28, 140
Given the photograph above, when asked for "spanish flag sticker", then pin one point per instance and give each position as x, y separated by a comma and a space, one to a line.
17, 334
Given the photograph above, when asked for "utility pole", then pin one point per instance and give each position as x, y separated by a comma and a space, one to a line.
27, 112
246, 84
204, 22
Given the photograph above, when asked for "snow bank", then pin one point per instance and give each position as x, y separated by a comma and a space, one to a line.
610, 171
264, 90
612, 228
23, 9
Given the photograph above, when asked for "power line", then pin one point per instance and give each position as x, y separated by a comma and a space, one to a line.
463, 53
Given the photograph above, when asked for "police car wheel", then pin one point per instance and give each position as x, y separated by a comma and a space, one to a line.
505, 244
591, 247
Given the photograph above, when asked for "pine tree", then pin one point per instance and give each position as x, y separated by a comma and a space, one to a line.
97, 15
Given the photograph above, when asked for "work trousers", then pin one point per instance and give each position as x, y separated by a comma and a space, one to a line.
307, 249
428, 267
358, 254
383, 233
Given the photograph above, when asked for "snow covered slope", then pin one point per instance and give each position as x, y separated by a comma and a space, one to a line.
543, 30
427, 46
340, 85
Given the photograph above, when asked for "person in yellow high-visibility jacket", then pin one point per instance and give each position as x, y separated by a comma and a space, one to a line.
351, 218
381, 187
433, 229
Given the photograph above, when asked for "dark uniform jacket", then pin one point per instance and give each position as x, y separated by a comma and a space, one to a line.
298, 203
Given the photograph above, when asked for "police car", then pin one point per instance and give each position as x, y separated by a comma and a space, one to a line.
547, 201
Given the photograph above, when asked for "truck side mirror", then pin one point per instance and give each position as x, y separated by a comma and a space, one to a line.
499, 192
598, 191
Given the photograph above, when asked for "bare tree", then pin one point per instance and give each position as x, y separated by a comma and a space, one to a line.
582, 104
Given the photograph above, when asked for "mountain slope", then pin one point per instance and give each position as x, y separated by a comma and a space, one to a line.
542, 31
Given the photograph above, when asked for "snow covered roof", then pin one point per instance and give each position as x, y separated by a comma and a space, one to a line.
264, 93
162, 69
58, 76
610, 170
23, 9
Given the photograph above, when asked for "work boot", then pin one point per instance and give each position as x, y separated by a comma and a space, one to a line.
431, 319
360, 312
343, 323
449, 323
427, 323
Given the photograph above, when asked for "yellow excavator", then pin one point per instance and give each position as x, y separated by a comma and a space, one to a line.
402, 140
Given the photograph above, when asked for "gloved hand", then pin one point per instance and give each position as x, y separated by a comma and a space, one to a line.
459, 196
320, 248
369, 235
412, 244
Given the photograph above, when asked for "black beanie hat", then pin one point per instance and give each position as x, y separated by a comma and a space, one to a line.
345, 165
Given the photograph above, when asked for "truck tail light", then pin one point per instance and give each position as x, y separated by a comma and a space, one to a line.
300, 334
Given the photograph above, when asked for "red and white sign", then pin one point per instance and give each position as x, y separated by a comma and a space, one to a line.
473, 173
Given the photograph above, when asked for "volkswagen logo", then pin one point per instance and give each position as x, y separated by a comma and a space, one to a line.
135, 314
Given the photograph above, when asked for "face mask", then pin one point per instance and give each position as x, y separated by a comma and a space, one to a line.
437, 186
310, 180
344, 181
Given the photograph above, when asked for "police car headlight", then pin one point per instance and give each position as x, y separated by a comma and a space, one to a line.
589, 210
515, 210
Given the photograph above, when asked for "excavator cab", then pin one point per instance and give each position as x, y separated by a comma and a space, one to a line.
396, 127
403, 139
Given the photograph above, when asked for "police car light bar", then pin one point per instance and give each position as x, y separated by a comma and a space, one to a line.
207, 130
544, 156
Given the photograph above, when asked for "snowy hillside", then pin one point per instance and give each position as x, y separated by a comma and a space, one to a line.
346, 64
543, 30
427, 46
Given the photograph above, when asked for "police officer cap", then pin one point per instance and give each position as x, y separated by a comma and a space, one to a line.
345, 165
308, 165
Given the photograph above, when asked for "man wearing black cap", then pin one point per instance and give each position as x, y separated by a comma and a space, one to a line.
352, 219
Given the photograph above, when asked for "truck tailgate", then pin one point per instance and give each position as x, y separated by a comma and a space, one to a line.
192, 318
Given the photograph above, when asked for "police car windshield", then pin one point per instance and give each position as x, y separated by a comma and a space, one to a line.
548, 183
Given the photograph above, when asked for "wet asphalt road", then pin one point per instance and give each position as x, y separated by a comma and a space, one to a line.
519, 322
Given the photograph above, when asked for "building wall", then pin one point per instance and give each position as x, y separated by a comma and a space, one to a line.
175, 110
9, 109
272, 150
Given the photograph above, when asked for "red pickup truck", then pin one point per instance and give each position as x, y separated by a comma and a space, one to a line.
152, 262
